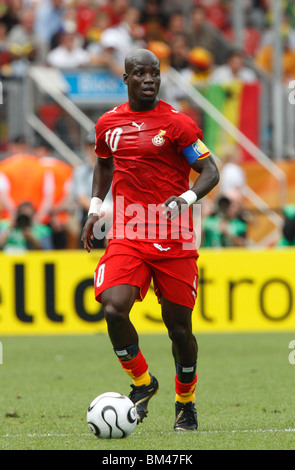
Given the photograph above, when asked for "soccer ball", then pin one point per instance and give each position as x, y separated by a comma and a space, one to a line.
111, 416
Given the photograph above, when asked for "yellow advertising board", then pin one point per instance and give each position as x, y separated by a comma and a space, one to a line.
239, 290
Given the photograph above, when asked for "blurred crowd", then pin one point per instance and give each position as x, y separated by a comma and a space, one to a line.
89, 33
43, 200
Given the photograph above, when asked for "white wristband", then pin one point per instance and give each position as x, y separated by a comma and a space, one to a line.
95, 206
189, 196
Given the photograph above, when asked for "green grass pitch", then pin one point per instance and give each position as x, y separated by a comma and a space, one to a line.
245, 393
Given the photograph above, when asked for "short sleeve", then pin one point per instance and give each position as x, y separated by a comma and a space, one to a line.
101, 148
186, 132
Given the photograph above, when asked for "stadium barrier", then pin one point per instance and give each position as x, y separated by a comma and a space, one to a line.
239, 290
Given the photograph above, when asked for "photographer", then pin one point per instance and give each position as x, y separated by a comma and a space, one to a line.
23, 234
288, 230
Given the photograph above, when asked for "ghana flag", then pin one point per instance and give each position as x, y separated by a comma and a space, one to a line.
240, 104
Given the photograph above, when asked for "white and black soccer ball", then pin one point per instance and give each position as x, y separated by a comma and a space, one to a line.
111, 416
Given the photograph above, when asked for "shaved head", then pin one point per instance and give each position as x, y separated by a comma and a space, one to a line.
142, 77
140, 56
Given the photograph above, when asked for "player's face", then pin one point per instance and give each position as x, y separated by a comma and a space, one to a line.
143, 81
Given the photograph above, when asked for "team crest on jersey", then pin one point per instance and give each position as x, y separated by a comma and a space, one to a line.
158, 140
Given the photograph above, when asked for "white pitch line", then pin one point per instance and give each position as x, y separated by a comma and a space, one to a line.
247, 431
234, 431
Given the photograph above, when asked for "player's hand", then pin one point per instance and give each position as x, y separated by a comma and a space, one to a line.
87, 232
174, 206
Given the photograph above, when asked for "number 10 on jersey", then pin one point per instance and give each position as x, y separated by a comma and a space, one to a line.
112, 138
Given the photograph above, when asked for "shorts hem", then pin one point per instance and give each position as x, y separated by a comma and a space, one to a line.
138, 299
176, 301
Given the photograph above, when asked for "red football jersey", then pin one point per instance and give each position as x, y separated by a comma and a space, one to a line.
148, 169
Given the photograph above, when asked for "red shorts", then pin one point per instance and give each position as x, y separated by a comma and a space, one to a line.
174, 272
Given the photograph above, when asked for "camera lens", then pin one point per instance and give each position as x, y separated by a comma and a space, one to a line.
23, 221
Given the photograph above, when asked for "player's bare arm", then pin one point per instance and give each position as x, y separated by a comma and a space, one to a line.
208, 178
102, 179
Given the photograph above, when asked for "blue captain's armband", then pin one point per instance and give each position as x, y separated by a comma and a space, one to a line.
196, 151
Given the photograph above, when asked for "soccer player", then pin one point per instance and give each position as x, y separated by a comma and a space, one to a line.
153, 148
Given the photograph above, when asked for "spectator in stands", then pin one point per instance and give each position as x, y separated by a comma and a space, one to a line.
203, 34
154, 20
82, 184
176, 26
153, 11
31, 3
252, 30
9, 13
287, 31
224, 228
179, 53
22, 233
173, 6
69, 25
116, 10
288, 232
264, 60
117, 41
218, 12
201, 63
49, 19
233, 181
5, 56
68, 54
3, 34
24, 45
82, 179
162, 51
232, 175
63, 226
101, 22
23, 179
18, 145
233, 69
257, 13
85, 16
